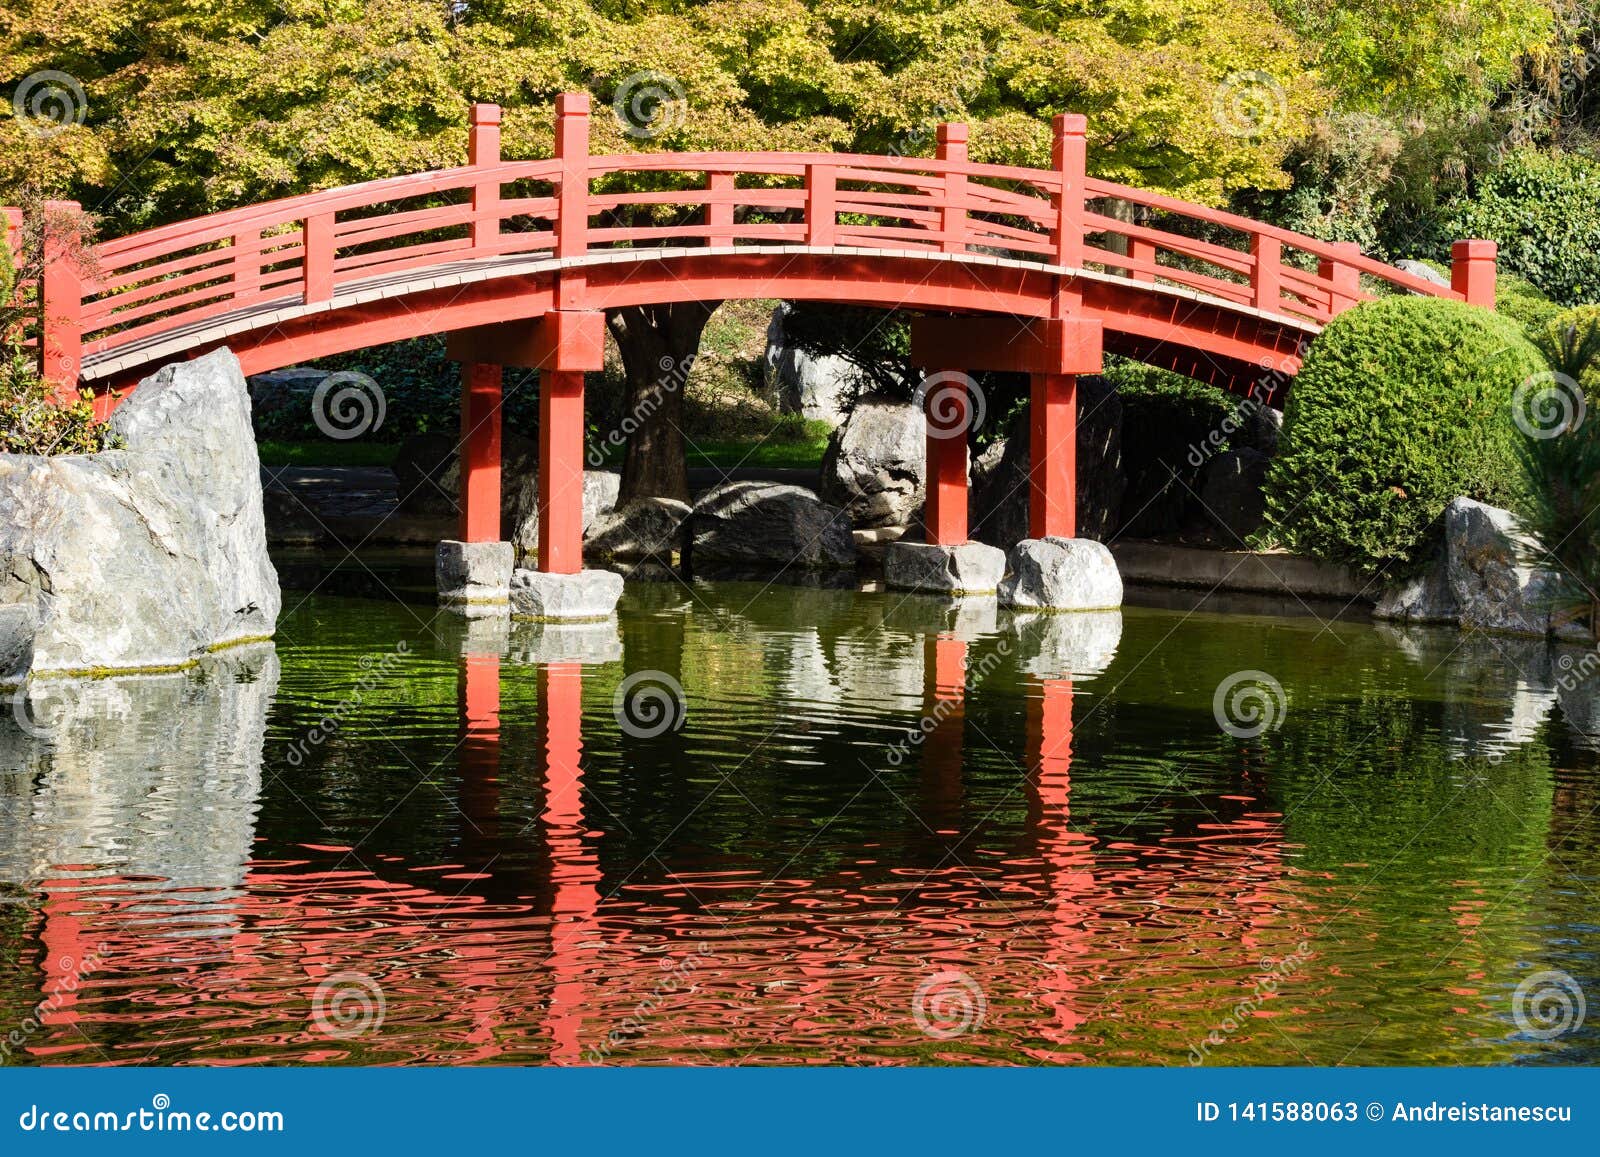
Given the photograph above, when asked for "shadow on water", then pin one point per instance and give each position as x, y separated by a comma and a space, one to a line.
762, 824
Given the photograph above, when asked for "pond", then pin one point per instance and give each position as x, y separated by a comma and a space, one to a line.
753, 824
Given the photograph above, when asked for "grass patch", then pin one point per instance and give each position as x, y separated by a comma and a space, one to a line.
792, 444
326, 452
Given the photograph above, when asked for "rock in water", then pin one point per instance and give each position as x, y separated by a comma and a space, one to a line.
968, 568
148, 556
1493, 587
876, 463
1064, 574
1425, 598
769, 525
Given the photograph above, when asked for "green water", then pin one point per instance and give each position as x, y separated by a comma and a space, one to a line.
469, 855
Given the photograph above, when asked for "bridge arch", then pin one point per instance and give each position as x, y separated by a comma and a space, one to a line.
1038, 270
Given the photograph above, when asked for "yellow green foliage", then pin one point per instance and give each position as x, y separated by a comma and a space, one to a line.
192, 105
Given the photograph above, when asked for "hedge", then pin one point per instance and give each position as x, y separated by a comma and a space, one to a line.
1402, 404
1544, 211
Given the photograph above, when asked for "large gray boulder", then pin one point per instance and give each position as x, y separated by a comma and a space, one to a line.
769, 525
147, 556
1494, 587
876, 463
645, 528
999, 494
1425, 598
817, 388
1062, 574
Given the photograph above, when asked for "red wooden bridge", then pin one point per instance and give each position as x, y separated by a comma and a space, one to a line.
1006, 268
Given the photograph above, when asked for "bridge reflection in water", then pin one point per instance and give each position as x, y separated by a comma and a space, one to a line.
559, 930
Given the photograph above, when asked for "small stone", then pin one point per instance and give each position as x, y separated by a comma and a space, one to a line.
1423, 270
590, 594
968, 568
473, 573
1063, 574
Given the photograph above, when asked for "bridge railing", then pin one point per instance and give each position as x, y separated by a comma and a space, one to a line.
315, 249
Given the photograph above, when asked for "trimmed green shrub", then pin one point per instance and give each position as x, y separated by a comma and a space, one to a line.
1523, 302
1544, 211
1402, 404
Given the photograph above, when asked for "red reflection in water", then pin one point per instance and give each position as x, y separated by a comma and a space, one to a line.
1067, 942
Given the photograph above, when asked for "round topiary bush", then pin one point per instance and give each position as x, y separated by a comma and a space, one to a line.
1402, 404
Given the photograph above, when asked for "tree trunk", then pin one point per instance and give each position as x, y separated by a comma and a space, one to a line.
658, 345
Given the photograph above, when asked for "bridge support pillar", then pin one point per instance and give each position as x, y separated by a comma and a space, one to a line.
473, 572
947, 562
1053, 456
481, 391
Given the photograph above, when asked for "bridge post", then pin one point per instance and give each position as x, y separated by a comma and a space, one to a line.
483, 151
560, 471
1344, 280
481, 389
944, 511
61, 301
572, 197
1070, 156
1472, 271
719, 213
952, 147
1053, 456
1267, 282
